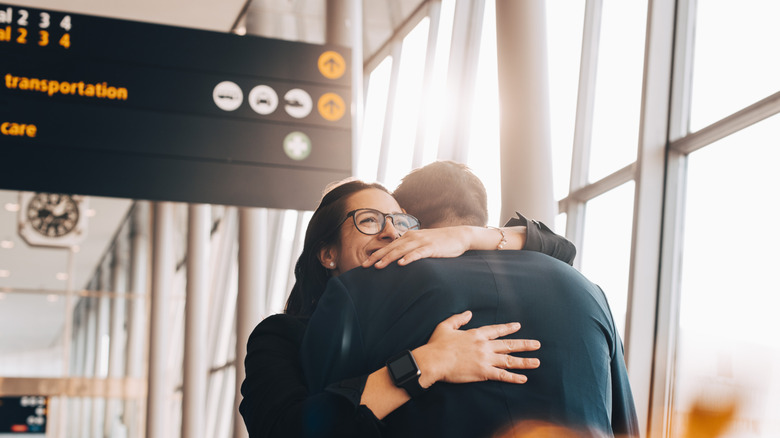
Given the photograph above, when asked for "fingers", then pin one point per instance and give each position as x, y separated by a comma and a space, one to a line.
404, 255
456, 321
502, 375
376, 256
410, 247
501, 371
509, 362
515, 345
497, 330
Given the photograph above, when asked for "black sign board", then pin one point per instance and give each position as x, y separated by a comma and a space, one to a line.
109, 107
23, 415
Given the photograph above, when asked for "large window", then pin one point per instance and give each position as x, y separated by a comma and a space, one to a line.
728, 348
734, 57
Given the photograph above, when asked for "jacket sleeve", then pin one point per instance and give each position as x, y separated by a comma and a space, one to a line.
624, 419
276, 401
332, 348
541, 239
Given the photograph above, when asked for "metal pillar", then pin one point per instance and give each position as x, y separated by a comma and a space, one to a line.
102, 340
344, 26
137, 313
526, 157
163, 268
252, 262
78, 363
90, 348
195, 337
117, 333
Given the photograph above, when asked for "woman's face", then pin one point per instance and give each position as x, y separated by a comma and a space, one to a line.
355, 247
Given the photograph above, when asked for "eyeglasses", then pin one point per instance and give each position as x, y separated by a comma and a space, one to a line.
371, 222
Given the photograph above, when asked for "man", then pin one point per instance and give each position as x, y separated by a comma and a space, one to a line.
368, 315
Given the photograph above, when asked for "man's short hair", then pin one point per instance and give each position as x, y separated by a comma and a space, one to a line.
444, 193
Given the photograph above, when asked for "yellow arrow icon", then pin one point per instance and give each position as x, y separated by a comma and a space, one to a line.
331, 106
331, 64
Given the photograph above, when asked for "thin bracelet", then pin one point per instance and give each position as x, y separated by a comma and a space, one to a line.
502, 243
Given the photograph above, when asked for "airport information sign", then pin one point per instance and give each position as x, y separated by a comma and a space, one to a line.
108, 107
23, 415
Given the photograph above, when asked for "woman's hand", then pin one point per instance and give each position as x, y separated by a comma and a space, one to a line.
420, 244
444, 242
462, 356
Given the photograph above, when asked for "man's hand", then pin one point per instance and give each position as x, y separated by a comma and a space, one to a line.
461, 356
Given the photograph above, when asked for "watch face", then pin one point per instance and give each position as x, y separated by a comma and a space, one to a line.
402, 368
53, 214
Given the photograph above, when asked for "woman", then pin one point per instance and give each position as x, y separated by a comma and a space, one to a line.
276, 400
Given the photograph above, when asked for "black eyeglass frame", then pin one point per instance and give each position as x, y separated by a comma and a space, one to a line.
384, 216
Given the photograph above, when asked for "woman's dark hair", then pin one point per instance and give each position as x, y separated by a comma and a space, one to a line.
310, 275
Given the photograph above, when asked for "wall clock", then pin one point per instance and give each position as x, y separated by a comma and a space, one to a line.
52, 219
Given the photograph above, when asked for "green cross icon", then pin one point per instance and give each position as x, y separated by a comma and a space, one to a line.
297, 145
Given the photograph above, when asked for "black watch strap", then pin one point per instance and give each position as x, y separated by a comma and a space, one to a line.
405, 373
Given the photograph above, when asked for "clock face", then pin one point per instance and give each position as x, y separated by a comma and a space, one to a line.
53, 214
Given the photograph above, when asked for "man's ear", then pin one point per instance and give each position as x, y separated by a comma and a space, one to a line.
328, 256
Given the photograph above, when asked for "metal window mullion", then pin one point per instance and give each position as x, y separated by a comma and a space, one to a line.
387, 128
666, 336
682, 76
434, 14
583, 123
742, 119
667, 311
590, 191
645, 261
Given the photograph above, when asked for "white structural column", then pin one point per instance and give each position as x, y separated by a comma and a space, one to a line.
344, 26
112, 425
137, 315
252, 262
195, 337
523, 88
90, 353
163, 268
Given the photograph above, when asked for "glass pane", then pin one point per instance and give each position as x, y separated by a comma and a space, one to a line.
564, 46
31, 347
734, 57
373, 120
86, 416
484, 145
728, 329
560, 223
618, 87
407, 104
438, 98
606, 248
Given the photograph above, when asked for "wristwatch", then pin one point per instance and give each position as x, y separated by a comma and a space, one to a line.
405, 373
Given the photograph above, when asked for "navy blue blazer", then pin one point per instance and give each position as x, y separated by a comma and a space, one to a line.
367, 315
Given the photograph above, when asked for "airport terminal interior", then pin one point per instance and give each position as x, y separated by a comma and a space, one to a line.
645, 131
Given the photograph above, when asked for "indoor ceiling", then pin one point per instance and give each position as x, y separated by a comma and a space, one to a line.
33, 279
